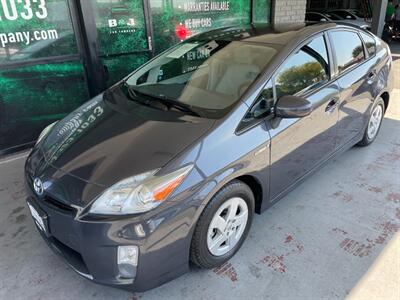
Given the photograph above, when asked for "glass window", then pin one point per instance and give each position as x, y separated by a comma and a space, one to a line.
344, 14
318, 46
177, 20
333, 17
35, 29
369, 42
120, 26
314, 17
33, 97
208, 75
358, 13
305, 70
261, 108
348, 48
262, 11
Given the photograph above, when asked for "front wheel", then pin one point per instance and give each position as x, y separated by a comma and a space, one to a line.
223, 226
374, 123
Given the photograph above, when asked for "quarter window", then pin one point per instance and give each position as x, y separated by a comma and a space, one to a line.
261, 108
348, 48
369, 42
305, 70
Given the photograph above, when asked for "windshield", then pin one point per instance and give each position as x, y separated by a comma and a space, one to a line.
344, 14
358, 13
207, 76
333, 17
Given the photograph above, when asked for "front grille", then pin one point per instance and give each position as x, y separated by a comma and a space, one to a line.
60, 206
73, 258
51, 201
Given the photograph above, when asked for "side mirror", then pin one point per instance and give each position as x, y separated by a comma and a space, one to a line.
323, 20
293, 107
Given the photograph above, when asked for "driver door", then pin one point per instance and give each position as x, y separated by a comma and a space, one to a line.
299, 145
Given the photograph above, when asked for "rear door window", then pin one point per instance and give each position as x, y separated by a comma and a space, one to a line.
369, 42
349, 49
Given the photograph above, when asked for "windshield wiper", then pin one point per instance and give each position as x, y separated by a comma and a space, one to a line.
132, 92
178, 105
168, 102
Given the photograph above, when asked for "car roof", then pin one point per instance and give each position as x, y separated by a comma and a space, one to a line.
343, 10
282, 34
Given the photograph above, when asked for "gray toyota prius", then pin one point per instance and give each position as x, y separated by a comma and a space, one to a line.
168, 167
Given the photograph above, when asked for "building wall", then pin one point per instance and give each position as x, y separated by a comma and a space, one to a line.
288, 11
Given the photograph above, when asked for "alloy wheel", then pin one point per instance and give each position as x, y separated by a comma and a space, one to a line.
375, 122
227, 226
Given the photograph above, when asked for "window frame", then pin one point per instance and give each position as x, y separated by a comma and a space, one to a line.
271, 79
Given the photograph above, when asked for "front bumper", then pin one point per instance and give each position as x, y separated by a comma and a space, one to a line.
90, 246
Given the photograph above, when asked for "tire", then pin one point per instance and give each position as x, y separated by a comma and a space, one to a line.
234, 192
367, 138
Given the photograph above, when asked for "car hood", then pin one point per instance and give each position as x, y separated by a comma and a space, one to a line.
111, 138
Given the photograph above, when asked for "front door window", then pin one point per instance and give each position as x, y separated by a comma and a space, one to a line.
305, 70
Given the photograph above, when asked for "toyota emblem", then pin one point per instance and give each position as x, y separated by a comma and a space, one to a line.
38, 186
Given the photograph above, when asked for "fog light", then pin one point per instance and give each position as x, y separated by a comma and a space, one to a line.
128, 260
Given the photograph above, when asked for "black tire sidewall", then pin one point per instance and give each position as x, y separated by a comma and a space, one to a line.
200, 254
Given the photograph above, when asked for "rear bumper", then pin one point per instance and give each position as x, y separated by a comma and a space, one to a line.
90, 246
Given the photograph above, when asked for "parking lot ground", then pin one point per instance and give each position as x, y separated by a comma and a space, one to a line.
334, 236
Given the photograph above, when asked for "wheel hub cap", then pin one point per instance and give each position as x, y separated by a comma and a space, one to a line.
375, 122
227, 226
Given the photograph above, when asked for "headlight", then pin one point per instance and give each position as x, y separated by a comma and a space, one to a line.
45, 132
139, 193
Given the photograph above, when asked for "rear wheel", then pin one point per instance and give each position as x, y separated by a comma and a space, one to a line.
374, 123
223, 226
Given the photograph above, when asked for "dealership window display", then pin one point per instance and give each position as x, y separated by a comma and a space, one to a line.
174, 21
48, 67
35, 29
122, 37
41, 77
261, 11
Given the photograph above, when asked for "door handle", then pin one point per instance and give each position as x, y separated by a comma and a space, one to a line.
371, 77
330, 108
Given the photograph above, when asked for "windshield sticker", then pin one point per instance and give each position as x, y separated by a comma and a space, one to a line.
182, 50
